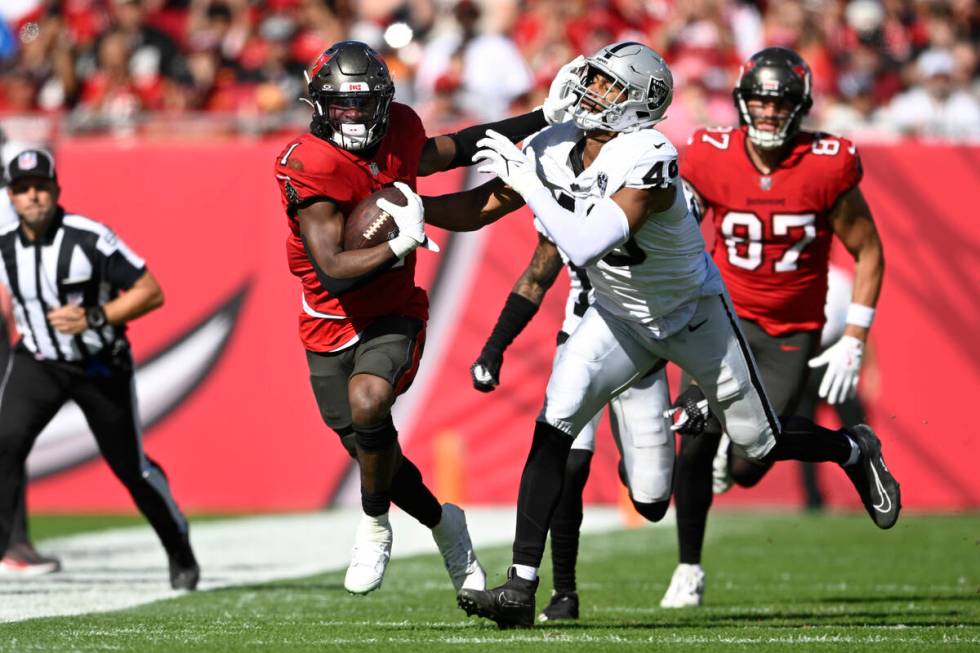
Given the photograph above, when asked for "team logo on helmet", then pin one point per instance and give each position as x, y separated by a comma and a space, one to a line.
320, 62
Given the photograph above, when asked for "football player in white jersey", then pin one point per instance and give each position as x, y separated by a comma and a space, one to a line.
640, 429
606, 188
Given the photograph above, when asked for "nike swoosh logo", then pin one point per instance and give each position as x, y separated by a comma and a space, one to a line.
164, 381
885, 505
658, 146
695, 327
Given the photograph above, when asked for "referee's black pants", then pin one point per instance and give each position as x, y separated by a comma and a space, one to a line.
32, 391
19, 533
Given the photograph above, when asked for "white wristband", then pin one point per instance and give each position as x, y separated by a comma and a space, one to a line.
860, 315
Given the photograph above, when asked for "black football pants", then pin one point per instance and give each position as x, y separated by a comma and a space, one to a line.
19, 533
32, 392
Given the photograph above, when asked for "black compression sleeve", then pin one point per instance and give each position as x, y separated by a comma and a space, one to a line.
518, 311
338, 287
516, 129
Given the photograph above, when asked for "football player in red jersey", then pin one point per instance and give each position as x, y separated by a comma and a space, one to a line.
363, 318
778, 195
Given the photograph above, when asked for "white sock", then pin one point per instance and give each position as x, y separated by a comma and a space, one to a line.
526, 572
855, 452
378, 523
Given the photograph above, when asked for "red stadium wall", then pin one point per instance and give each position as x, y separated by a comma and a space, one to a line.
207, 218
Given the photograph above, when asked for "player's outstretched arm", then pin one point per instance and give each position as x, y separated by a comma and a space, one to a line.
322, 230
456, 150
519, 309
472, 209
583, 238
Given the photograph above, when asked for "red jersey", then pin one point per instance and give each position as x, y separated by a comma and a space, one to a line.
773, 233
310, 169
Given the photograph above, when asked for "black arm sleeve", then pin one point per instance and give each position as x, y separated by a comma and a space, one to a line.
516, 128
518, 311
338, 287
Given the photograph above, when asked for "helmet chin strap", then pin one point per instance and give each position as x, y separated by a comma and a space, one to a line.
351, 136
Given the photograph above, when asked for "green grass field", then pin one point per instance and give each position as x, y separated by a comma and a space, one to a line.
775, 582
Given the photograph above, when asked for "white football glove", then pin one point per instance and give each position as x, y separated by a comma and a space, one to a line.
556, 105
409, 219
501, 157
843, 361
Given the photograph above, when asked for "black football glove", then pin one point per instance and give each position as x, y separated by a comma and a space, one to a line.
689, 414
486, 371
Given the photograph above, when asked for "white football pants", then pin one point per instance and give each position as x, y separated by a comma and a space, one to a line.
606, 355
642, 435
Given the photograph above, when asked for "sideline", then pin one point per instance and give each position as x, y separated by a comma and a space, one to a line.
122, 568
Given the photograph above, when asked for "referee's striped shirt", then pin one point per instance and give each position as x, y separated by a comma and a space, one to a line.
78, 261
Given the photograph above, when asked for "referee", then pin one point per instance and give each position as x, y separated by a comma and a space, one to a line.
21, 558
65, 273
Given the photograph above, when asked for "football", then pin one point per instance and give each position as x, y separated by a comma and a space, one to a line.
367, 225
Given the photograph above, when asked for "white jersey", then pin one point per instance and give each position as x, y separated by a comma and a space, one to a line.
656, 277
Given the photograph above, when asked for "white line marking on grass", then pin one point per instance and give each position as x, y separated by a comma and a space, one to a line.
122, 568
563, 638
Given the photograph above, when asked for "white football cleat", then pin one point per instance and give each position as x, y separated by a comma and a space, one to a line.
453, 540
370, 555
686, 587
721, 477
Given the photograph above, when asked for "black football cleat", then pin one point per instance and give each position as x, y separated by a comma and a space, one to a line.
184, 570
562, 607
511, 605
879, 491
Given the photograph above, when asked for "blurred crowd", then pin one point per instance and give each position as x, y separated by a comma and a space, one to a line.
883, 69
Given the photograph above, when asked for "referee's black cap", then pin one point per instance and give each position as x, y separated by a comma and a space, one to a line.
31, 163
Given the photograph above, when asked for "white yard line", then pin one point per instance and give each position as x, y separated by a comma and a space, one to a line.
121, 568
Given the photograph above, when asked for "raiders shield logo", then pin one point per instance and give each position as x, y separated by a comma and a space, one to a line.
765, 183
602, 181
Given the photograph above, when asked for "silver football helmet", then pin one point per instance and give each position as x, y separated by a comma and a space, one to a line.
641, 91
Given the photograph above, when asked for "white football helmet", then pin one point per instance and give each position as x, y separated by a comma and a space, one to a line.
639, 97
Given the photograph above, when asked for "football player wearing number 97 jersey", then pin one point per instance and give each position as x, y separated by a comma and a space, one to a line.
606, 189
777, 196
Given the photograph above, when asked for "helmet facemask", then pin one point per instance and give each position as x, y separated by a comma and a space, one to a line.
353, 121
770, 139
